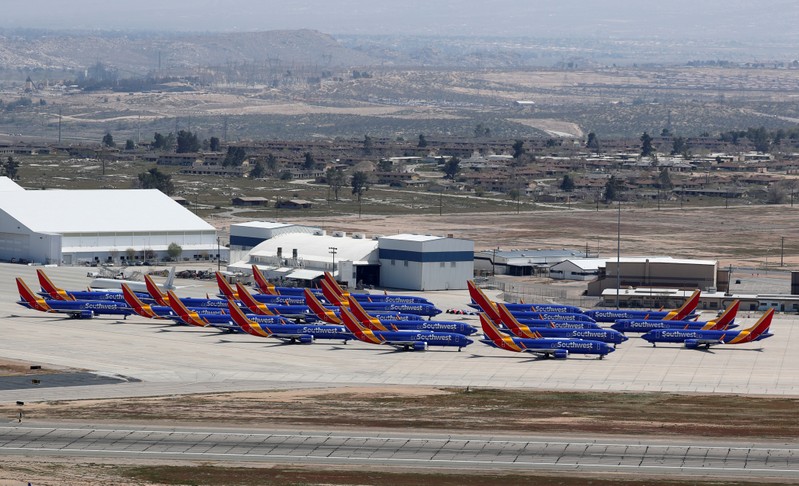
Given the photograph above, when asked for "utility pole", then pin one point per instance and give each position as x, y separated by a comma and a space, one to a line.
333, 250
618, 255
782, 251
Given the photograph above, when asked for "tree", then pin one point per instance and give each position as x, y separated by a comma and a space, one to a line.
161, 142
518, 149
451, 168
155, 179
759, 138
368, 144
187, 142
664, 179
593, 142
235, 157
258, 170
309, 161
271, 163
422, 141
646, 145
174, 250
385, 165
612, 189
11, 168
130, 144
679, 146
214, 144
335, 179
775, 194
108, 140
360, 184
567, 184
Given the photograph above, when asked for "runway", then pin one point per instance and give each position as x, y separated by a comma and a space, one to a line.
392, 450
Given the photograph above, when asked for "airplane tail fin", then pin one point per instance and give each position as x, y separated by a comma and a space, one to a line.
762, 325
263, 285
136, 304
331, 295
181, 310
240, 319
170, 279
335, 287
724, 321
357, 330
368, 321
684, 310
483, 301
489, 328
155, 292
26, 294
513, 324
320, 310
50, 288
224, 287
253, 305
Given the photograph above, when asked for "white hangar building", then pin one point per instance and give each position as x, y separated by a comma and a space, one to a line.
425, 262
102, 226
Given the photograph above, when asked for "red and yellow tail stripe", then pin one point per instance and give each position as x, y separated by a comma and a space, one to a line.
137, 305
28, 296
48, 286
492, 333
320, 310
253, 305
477, 295
263, 285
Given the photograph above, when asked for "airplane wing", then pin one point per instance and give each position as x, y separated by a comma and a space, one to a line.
696, 343
293, 337
407, 345
547, 352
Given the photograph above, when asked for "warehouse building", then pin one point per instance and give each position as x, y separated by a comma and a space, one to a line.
663, 272
98, 227
425, 262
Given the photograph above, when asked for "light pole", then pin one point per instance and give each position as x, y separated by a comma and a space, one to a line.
333, 250
218, 256
618, 255
782, 251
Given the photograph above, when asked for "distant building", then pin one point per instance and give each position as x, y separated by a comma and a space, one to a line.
294, 204
250, 201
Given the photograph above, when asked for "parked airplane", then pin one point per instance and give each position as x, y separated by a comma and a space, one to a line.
267, 288
292, 333
135, 285
50, 290
152, 311
417, 308
684, 312
558, 348
218, 320
406, 341
725, 321
380, 324
342, 294
520, 330
484, 304
332, 315
78, 309
227, 292
694, 339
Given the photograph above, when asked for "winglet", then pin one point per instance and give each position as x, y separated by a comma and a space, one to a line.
136, 304
684, 310
50, 288
365, 319
320, 310
159, 297
483, 301
263, 285
28, 296
225, 288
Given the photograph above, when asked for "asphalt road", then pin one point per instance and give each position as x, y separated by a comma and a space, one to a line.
740, 460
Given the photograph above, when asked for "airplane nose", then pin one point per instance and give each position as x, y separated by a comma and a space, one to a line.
609, 349
647, 337
624, 338
616, 327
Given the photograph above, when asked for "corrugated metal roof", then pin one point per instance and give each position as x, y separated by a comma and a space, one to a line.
264, 224
303, 274
317, 247
100, 211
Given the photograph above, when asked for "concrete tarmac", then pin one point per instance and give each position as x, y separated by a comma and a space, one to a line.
387, 450
148, 357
